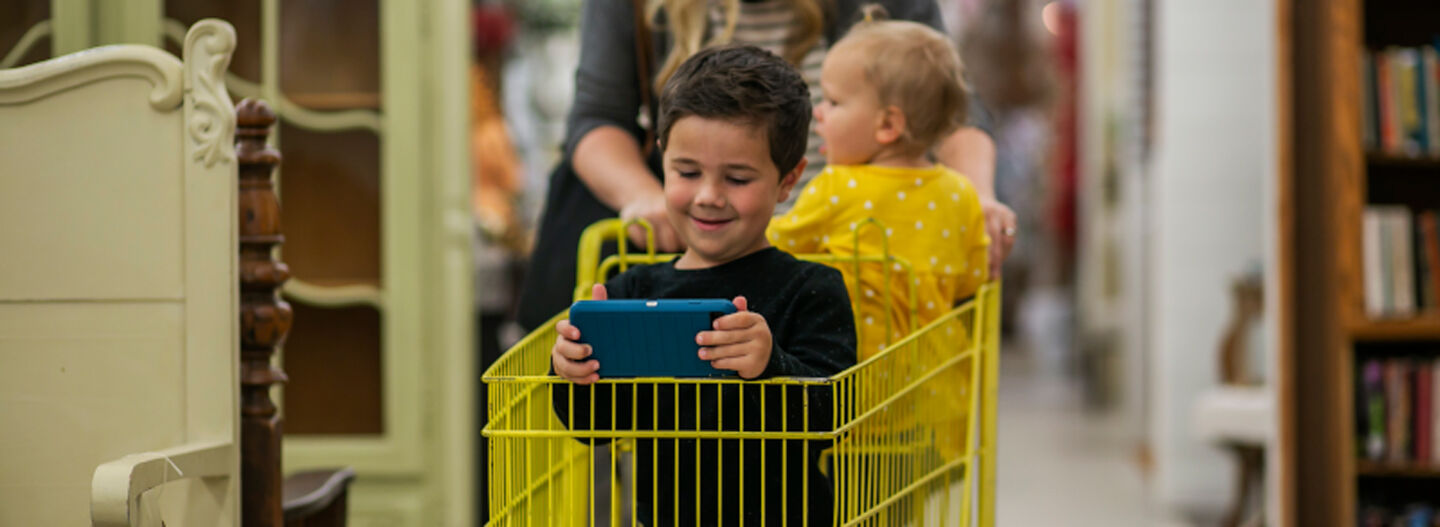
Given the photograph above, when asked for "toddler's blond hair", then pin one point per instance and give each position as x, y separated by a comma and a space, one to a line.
914, 68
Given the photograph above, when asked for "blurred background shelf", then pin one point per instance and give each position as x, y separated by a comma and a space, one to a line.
1380, 159
1422, 327
1367, 468
363, 100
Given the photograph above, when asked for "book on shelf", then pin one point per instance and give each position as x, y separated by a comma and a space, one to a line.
1434, 367
1372, 417
1397, 400
1401, 261
1369, 129
1412, 515
1400, 107
1420, 432
1430, 75
1427, 243
1398, 411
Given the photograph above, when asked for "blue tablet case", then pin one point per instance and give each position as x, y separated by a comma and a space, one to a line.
648, 338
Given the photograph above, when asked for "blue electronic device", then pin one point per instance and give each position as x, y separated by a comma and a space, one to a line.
648, 338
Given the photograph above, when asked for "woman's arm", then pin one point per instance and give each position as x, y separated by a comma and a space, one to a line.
971, 152
602, 127
609, 162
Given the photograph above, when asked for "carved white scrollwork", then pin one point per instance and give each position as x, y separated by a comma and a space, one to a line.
43, 79
211, 121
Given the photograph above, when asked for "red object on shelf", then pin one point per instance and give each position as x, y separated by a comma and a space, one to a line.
492, 28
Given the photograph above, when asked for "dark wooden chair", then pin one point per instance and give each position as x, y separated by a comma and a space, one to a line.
306, 499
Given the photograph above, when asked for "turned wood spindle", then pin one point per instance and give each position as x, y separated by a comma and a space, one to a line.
264, 318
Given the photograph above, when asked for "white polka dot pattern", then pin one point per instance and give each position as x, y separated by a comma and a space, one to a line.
923, 228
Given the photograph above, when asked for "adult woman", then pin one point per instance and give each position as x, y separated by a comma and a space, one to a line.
609, 170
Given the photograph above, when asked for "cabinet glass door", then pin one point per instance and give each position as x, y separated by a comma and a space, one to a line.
25, 32
325, 89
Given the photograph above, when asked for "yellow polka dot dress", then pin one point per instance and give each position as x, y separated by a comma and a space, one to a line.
930, 217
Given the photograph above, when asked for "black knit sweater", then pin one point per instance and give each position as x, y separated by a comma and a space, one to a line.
813, 333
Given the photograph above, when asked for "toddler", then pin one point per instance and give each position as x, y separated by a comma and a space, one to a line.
891, 91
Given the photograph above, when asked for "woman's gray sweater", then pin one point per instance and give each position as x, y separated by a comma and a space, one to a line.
606, 87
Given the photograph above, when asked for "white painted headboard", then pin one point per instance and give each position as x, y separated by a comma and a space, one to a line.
118, 295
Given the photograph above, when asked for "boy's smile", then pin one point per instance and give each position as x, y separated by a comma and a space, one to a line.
721, 188
710, 224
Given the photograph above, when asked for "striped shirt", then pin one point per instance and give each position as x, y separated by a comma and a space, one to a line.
767, 25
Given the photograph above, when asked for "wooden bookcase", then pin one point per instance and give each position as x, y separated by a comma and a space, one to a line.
1327, 179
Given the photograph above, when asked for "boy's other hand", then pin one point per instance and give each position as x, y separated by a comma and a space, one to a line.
568, 356
740, 342
652, 208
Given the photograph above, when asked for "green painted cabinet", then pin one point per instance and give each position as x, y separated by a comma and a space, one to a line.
372, 97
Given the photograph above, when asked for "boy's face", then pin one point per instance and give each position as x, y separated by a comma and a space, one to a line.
849, 115
721, 188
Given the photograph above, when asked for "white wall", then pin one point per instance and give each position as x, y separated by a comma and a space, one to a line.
1214, 152
1113, 236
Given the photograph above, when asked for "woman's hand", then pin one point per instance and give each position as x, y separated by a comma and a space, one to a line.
608, 161
740, 342
1000, 225
652, 208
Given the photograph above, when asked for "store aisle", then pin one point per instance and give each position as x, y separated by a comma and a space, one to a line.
1058, 464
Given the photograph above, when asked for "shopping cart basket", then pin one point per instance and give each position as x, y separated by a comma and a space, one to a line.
883, 462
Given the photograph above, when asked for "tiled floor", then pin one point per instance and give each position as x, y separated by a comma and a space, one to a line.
1058, 464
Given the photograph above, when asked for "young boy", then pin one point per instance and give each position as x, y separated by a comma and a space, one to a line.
892, 90
733, 126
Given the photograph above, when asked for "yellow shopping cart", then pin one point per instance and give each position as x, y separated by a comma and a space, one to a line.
884, 461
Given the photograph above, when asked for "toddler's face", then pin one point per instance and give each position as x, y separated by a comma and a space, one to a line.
849, 115
721, 188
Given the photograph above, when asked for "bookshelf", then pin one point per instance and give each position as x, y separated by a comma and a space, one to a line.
1333, 171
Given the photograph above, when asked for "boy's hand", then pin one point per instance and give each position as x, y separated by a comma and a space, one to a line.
568, 356
741, 342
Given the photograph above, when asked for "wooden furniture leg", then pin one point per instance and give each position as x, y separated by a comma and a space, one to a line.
1249, 467
264, 318
307, 499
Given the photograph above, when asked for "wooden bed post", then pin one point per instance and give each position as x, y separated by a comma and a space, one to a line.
264, 318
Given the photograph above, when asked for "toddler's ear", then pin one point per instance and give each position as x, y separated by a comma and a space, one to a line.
892, 125
787, 183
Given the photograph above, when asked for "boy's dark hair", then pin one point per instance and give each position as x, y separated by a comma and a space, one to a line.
746, 84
